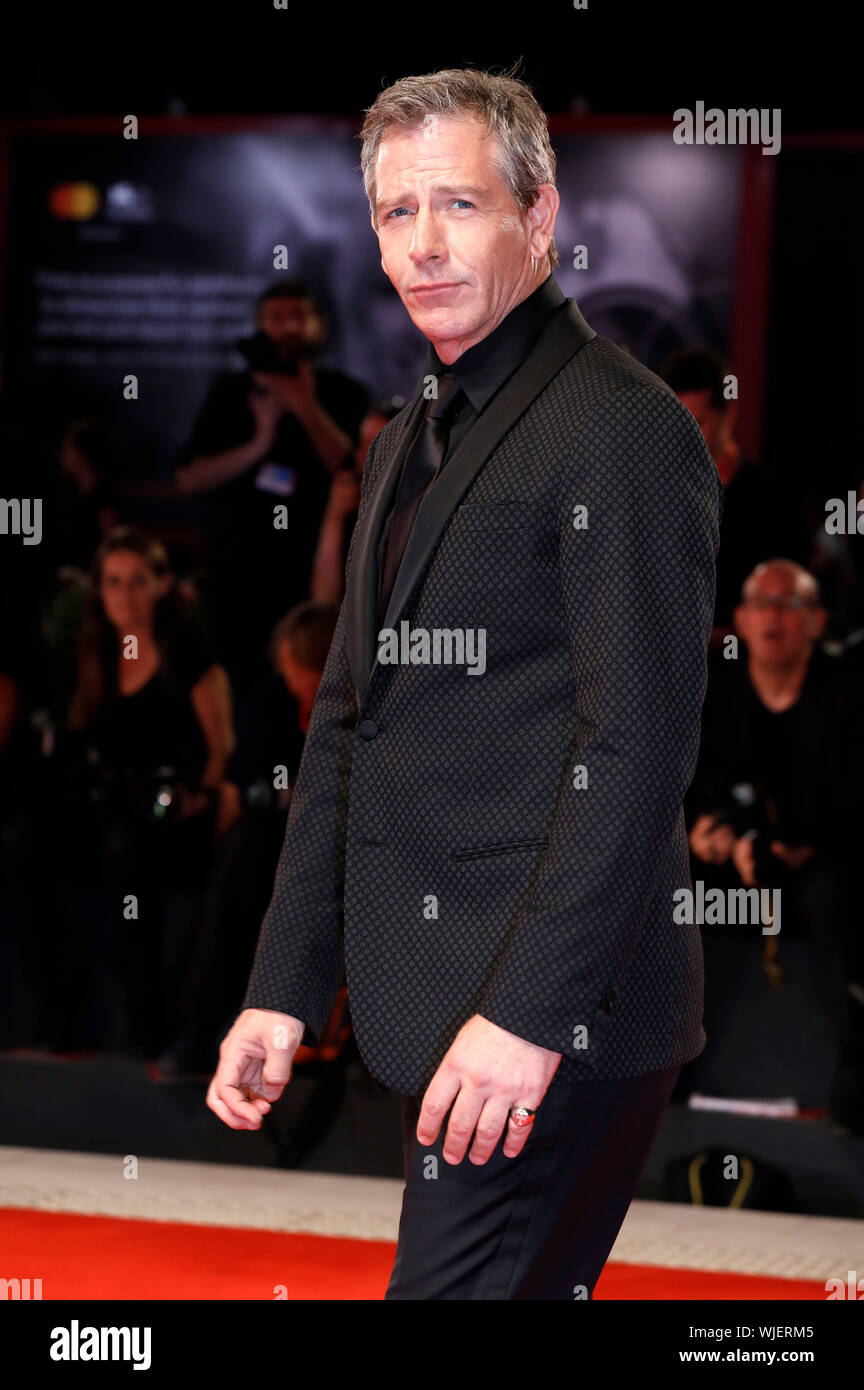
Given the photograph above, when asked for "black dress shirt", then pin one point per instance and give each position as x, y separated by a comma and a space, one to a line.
483, 369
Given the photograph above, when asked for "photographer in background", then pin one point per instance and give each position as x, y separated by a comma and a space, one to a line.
272, 435
775, 800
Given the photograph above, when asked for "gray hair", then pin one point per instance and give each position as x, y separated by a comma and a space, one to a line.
803, 580
505, 105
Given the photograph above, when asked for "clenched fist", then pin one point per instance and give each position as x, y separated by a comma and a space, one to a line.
254, 1066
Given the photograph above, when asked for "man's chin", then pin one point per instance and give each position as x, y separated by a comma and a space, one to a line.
439, 325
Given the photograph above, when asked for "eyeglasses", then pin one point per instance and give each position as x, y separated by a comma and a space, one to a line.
792, 604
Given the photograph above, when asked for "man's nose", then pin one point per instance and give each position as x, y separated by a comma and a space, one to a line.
427, 241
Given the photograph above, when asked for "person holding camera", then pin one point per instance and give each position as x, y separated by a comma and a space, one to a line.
263, 451
775, 800
776, 723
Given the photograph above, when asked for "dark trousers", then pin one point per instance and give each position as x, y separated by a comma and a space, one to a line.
541, 1225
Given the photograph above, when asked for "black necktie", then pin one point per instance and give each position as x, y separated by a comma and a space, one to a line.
422, 462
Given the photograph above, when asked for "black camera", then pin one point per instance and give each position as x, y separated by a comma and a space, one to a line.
750, 810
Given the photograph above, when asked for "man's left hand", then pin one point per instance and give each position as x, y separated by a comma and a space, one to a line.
488, 1071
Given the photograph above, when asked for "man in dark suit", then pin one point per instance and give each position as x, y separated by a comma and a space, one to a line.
487, 828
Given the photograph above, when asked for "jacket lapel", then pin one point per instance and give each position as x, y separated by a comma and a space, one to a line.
561, 340
361, 594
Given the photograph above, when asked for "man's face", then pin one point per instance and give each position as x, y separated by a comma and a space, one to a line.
778, 635
293, 324
709, 419
453, 242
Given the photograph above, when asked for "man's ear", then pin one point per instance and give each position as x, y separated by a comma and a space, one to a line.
541, 217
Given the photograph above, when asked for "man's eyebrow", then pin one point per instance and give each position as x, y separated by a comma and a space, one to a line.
460, 188
436, 188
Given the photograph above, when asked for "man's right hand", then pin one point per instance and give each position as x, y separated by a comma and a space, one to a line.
254, 1066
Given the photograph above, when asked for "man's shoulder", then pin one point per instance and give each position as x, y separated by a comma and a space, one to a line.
602, 374
605, 373
836, 677
608, 406
606, 395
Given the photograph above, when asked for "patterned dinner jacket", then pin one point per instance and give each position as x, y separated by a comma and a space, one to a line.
502, 833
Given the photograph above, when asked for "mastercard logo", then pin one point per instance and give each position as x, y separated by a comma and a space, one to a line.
74, 202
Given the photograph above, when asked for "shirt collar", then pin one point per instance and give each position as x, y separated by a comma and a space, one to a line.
486, 366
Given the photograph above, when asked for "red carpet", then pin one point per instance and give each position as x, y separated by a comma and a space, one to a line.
107, 1257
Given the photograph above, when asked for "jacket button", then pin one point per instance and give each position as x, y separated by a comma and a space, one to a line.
368, 729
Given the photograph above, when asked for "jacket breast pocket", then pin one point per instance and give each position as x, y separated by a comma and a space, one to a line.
503, 847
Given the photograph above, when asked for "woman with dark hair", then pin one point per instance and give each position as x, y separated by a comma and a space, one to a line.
147, 693
148, 735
